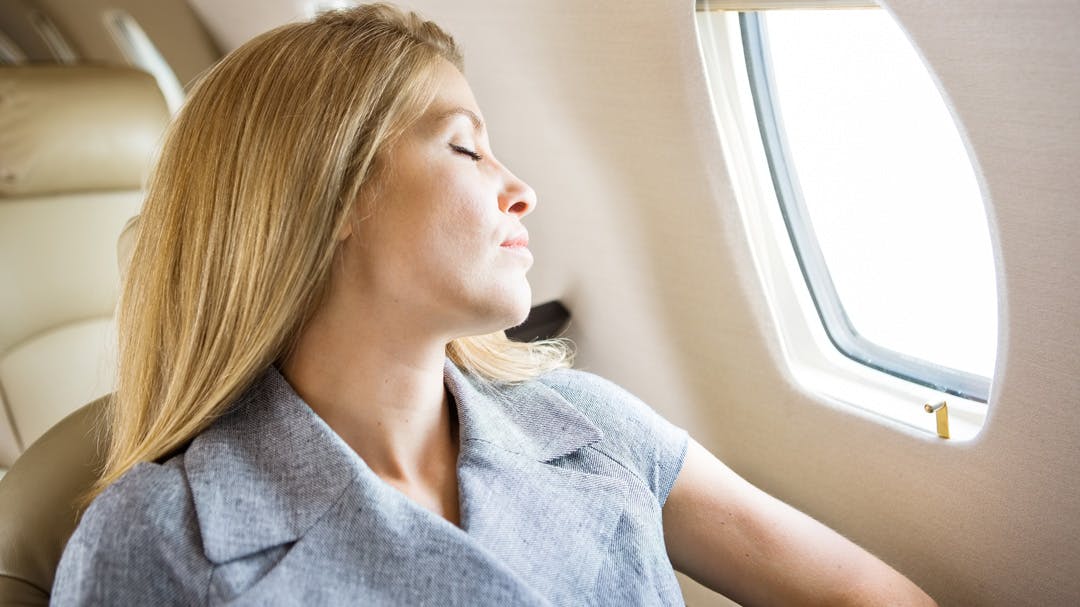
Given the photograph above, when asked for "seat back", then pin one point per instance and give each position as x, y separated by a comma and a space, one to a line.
76, 143
75, 147
39, 499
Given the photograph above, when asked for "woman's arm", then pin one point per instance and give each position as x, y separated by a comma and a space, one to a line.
756, 550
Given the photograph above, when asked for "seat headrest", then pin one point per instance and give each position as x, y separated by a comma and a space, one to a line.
77, 128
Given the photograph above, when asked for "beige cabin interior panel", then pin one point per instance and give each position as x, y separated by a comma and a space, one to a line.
172, 25
15, 24
604, 109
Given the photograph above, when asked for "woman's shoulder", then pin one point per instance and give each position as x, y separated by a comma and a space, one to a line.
604, 402
141, 525
149, 500
635, 435
158, 492
576, 379
589, 391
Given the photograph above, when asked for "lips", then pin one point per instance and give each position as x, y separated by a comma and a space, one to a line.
518, 241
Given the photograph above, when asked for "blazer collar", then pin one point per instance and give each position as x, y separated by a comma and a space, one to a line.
266, 471
529, 419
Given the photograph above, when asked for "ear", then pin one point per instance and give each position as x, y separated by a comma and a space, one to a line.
348, 227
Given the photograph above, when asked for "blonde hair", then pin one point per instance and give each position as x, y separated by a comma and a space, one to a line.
257, 175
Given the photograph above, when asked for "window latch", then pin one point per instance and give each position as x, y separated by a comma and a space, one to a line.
941, 411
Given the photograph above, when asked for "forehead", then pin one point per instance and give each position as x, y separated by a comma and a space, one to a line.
453, 101
446, 113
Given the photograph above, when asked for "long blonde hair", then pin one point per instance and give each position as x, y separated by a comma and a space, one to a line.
257, 175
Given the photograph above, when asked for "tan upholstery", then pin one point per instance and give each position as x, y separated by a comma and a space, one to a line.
38, 498
75, 147
76, 129
29, 373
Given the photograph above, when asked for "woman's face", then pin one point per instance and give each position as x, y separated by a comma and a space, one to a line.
444, 241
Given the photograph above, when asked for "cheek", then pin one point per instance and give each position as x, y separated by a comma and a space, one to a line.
444, 240
437, 248
466, 228
452, 216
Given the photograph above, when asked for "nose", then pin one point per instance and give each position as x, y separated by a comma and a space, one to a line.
517, 198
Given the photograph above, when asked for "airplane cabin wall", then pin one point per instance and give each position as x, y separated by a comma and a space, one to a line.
603, 108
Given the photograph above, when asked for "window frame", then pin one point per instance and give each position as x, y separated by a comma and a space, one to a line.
811, 263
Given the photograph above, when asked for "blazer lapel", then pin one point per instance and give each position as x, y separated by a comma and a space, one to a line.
265, 472
271, 472
553, 525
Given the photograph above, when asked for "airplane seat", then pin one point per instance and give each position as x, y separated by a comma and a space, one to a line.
39, 499
76, 143
75, 147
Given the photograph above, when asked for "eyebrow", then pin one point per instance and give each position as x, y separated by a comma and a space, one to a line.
478, 124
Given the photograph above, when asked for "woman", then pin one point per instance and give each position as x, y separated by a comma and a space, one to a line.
317, 403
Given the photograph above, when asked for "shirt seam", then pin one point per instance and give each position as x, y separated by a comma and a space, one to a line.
606, 455
622, 465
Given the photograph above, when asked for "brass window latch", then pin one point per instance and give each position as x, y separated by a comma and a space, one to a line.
941, 410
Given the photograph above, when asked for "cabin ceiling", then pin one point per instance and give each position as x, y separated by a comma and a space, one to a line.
173, 25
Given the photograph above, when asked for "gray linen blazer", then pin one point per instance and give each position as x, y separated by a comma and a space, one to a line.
561, 484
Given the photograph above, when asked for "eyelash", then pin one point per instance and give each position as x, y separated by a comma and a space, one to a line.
471, 154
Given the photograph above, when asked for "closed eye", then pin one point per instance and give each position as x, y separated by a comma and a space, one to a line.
467, 152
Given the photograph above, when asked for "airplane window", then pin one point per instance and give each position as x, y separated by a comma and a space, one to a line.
861, 203
141, 52
879, 195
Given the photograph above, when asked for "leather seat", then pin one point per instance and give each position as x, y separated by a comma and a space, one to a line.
75, 147
76, 143
38, 498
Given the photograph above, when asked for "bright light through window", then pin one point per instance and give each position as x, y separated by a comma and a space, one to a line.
887, 184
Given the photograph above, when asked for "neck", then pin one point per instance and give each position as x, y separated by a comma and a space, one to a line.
380, 387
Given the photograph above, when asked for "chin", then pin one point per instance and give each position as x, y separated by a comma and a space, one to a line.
508, 310
520, 316
517, 311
